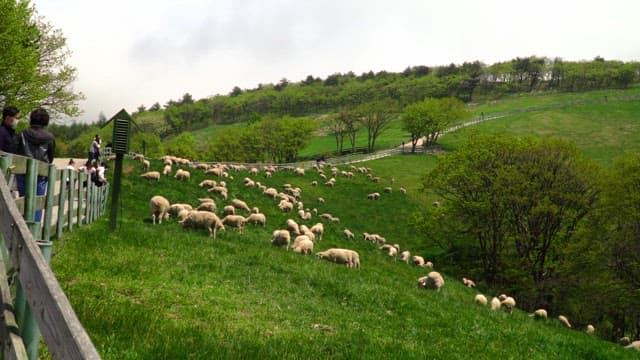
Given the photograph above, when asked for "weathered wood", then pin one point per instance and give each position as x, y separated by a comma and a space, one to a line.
12, 344
81, 198
72, 192
62, 331
50, 200
62, 198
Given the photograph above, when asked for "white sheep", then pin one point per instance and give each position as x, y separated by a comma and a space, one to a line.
182, 175
208, 183
392, 250
634, 345
590, 329
341, 256
174, 209
374, 196
326, 216
433, 280
166, 170
228, 210
402, 190
183, 214
314, 183
318, 230
495, 304
281, 238
145, 165
255, 210
321, 200
539, 314
348, 234
239, 204
404, 256
481, 299
236, 221
209, 206
293, 227
563, 319
418, 260
159, 206
285, 205
388, 189
151, 175
204, 219
509, 303
256, 219
468, 282
303, 247
271, 192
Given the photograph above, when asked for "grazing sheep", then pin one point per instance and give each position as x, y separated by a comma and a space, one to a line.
183, 214
255, 210
590, 329
174, 209
299, 171
388, 189
495, 304
428, 264
318, 230
634, 345
271, 192
182, 175
256, 219
348, 234
341, 256
166, 170
374, 196
239, 204
236, 221
436, 204
624, 341
209, 206
314, 183
151, 175
433, 280
208, 183
293, 227
418, 260
563, 319
304, 247
404, 256
280, 238
509, 303
539, 314
468, 282
145, 165
204, 219
481, 299
228, 210
215, 171
402, 190
321, 200
159, 206
138, 157
326, 216
285, 205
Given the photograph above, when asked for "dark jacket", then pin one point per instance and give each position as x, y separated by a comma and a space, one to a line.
42, 143
7, 141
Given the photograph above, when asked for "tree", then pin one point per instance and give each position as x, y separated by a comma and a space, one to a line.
36, 73
102, 119
155, 107
338, 130
376, 118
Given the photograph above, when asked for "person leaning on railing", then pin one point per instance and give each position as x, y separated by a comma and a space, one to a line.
38, 143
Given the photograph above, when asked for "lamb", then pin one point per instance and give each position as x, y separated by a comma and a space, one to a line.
495, 304
256, 219
404, 256
563, 319
374, 196
151, 175
468, 282
509, 303
239, 204
159, 206
208, 183
303, 247
182, 175
145, 165
204, 219
280, 238
433, 280
293, 227
209, 206
341, 256
348, 234
236, 221
318, 230
481, 299
539, 314
634, 345
590, 329
228, 210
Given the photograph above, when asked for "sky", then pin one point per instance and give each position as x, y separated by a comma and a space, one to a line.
137, 52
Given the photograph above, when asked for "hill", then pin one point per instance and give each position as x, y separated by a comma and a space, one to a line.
160, 292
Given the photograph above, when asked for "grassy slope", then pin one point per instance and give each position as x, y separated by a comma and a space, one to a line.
159, 292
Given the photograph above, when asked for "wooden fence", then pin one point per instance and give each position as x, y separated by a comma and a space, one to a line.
33, 302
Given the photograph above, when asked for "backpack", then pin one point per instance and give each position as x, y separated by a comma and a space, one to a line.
38, 152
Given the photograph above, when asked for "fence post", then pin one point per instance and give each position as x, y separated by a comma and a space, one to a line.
62, 198
73, 186
81, 199
51, 191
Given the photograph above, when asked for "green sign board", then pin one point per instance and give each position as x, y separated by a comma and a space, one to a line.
121, 126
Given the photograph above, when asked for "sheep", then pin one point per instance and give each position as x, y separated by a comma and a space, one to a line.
299, 239
250, 183
303, 247
481, 299
174, 209
539, 314
634, 345
495, 304
159, 206
624, 341
388, 189
166, 170
215, 171
590, 329
271, 192
228, 210
318, 230
404, 256
321, 200
314, 183
334, 219
341, 256
375, 179
280, 238
183, 214
208, 183
204, 200
239, 204
331, 182
145, 165
138, 157
182, 175
253, 171
468, 282
402, 190
300, 205
204, 219
151, 175
299, 171
433, 280
304, 230
326, 216
285, 205
509, 303
236, 221
255, 210
256, 219
418, 260
293, 227
209, 206
348, 234
563, 319
374, 196
428, 264
392, 250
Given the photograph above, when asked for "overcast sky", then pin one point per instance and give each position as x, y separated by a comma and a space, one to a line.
133, 52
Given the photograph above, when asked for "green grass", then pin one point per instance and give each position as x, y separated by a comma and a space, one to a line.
160, 292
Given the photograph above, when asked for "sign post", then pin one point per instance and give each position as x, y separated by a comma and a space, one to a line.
120, 146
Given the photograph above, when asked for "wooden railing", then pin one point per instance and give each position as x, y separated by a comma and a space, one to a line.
38, 306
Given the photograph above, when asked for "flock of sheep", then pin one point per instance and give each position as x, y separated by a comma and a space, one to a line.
298, 237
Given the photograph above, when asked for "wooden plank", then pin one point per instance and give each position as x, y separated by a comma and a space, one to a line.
50, 197
12, 344
62, 331
72, 192
81, 198
62, 197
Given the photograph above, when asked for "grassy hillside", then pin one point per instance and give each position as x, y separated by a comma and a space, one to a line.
160, 292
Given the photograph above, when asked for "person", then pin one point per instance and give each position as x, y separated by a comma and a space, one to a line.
99, 177
38, 143
8, 129
94, 149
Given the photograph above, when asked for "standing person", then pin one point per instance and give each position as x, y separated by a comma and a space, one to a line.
38, 143
94, 149
8, 129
